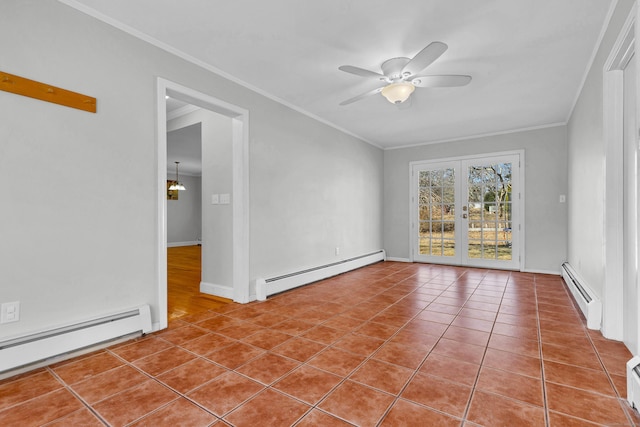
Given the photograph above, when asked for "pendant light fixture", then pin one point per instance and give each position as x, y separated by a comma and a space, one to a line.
177, 185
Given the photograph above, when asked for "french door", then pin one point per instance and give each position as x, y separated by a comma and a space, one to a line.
467, 211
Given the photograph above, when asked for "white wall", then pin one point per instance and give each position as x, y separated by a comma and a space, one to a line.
75, 243
184, 216
311, 191
586, 166
217, 178
545, 180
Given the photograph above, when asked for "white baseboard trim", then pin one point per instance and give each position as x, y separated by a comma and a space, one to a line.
398, 259
177, 244
216, 290
266, 287
535, 271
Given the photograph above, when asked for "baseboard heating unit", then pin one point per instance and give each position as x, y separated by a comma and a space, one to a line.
275, 285
633, 382
22, 351
588, 302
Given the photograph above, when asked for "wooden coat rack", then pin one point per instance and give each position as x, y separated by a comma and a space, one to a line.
44, 92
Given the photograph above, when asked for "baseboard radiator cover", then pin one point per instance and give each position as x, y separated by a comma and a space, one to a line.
275, 285
29, 349
633, 382
586, 299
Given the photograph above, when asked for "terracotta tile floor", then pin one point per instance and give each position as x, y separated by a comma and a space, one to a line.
391, 344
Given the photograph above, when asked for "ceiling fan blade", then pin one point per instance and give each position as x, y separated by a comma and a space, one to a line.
424, 58
361, 72
361, 96
441, 81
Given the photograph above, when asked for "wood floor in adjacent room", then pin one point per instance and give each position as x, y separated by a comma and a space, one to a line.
184, 266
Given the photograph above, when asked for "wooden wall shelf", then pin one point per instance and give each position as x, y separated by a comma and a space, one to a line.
44, 92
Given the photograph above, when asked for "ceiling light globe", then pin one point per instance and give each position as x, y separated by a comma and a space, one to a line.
397, 93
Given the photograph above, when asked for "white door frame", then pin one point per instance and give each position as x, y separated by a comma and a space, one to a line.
240, 187
613, 122
520, 238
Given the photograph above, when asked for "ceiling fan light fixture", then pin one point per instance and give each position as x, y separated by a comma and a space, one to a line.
397, 93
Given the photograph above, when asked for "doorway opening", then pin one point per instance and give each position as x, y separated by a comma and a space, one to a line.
235, 285
184, 213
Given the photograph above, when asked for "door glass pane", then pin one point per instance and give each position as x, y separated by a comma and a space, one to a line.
448, 247
437, 212
425, 237
436, 247
449, 212
489, 206
425, 245
436, 178
425, 213
489, 251
475, 249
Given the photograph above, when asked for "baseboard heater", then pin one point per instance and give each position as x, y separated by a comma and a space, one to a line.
633, 382
275, 285
22, 351
588, 302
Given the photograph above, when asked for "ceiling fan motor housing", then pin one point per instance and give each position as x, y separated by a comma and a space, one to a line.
392, 68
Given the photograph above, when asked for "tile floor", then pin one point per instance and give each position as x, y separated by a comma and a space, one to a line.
391, 344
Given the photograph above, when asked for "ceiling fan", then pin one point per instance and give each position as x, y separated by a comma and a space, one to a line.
401, 75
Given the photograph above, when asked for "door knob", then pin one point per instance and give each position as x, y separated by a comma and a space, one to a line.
464, 215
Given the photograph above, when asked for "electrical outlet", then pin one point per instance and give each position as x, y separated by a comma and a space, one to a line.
10, 312
337, 250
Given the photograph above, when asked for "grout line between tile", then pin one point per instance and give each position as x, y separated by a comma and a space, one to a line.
77, 396
547, 419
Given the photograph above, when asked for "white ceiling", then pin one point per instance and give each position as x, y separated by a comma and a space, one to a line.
528, 58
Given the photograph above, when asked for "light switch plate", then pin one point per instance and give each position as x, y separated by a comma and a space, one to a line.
10, 312
215, 199
225, 199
